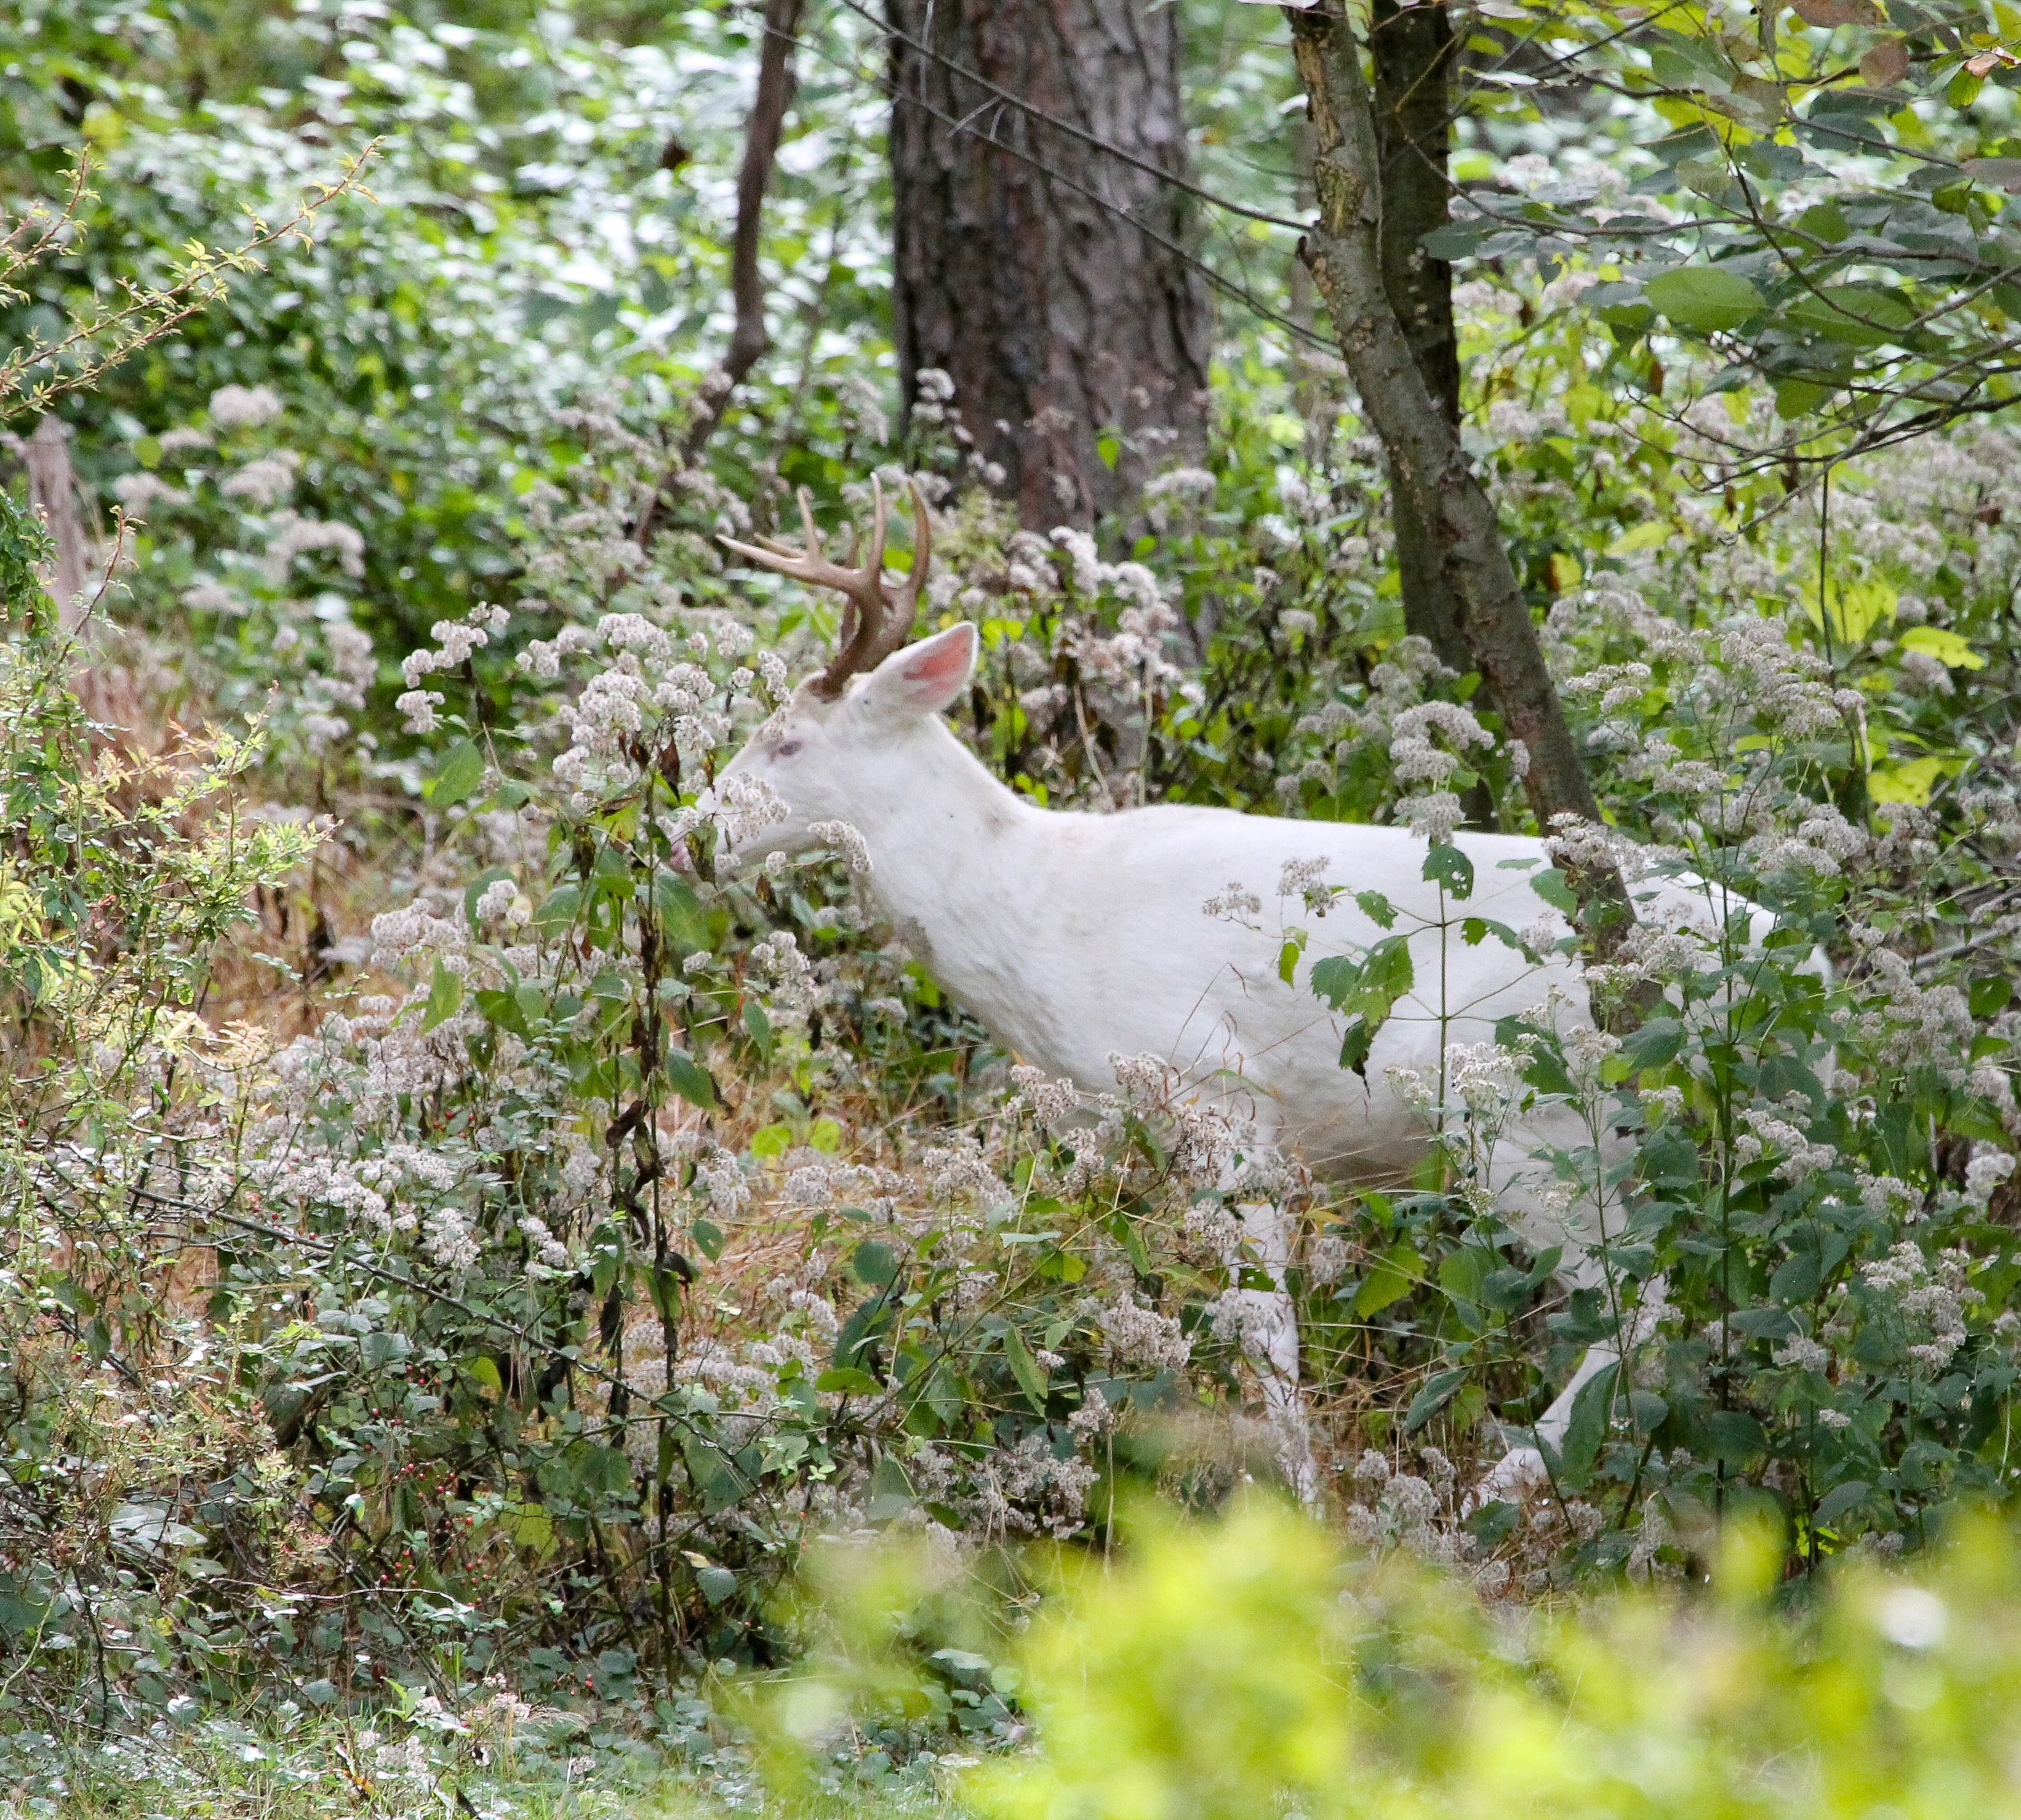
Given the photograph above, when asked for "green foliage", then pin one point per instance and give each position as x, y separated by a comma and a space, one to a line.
1229, 1669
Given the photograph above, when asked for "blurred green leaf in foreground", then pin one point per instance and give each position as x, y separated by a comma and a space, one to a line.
1248, 1666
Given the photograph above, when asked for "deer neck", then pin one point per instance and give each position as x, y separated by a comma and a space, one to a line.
947, 843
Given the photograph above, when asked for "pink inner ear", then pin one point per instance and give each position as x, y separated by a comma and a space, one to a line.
940, 665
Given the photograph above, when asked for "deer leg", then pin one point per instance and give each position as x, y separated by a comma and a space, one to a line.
1269, 1330
1581, 1229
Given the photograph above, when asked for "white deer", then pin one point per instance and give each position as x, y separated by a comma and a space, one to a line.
1074, 938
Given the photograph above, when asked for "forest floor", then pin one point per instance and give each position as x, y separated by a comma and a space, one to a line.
221, 1771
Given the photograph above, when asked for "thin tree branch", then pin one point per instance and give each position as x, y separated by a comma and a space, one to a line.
750, 338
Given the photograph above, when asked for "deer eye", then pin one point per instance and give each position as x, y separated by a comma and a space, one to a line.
788, 747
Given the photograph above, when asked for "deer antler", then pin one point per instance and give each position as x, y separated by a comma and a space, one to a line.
875, 622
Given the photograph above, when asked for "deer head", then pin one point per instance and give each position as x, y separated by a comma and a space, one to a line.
861, 737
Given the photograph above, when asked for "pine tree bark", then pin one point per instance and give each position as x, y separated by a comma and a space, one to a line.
1411, 49
1018, 272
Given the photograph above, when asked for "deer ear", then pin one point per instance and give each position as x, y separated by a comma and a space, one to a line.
924, 678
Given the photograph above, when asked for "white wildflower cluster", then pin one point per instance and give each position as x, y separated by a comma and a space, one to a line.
1989, 1169
265, 480
141, 491
1405, 1510
651, 692
1822, 840
1911, 1026
847, 840
1433, 815
1138, 1338
244, 407
293, 535
1800, 1157
1032, 1490
791, 990
1931, 1293
1234, 903
1394, 686
1305, 880
959, 1170
1476, 1089
1049, 1101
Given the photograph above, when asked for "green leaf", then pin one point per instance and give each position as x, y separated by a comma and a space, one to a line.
1433, 1395
1446, 865
1032, 1378
1377, 909
759, 1025
1654, 1042
708, 1236
690, 1079
1947, 648
1839, 1500
1355, 1045
874, 1264
1587, 1429
716, 1584
1336, 978
1397, 1273
1857, 316
459, 773
1855, 608
557, 913
1703, 300
1288, 955
1648, 1411
1736, 1437
445, 997
1555, 889
847, 1381
1456, 239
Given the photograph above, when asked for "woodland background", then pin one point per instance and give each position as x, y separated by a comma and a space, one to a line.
490, 1317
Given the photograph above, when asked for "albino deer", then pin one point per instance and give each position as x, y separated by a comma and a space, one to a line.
1075, 938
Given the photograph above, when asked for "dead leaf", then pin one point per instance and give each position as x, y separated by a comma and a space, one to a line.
2001, 173
1827, 13
1886, 64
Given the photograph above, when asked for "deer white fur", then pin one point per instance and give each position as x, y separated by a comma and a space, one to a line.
1075, 937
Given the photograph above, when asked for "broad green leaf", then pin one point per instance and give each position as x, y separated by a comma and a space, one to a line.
1397, 1273
1854, 608
1859, 315
1946, 647
459, 773
557, 913
1555, 889
1336, 978
1646, 536
689, 1078
445, 997
1032, 1378
1447, 864
1433, 1396
1704, 300
1910, 781
1587, 1429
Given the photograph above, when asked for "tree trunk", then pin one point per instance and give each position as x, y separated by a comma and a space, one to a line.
1412, 50
1345, 250
1018, 273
